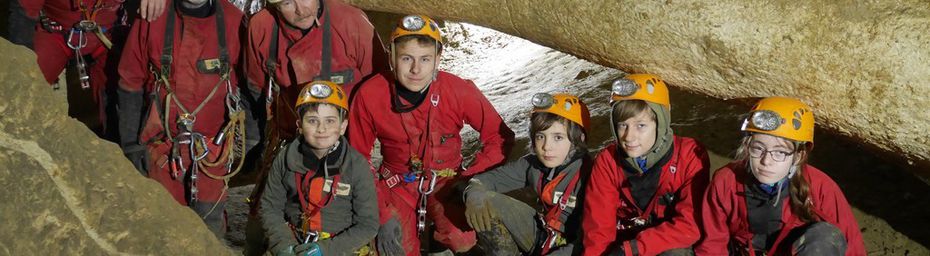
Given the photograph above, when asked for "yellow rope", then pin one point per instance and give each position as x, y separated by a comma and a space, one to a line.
235, 128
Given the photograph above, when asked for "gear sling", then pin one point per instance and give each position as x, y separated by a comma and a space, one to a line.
231, 137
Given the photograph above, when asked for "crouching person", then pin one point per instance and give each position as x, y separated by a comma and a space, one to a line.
645, 189
769, 201
556, 170
320, 196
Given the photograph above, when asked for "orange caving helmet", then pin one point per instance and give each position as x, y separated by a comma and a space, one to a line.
322, 92
645, 87
564, 105
784, 117
417, 25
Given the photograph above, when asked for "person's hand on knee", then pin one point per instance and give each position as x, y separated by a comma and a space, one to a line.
479, 212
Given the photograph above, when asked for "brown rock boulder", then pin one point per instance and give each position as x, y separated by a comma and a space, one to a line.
67, 192
863, 66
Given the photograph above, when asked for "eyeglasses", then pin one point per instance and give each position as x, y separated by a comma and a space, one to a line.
777, 155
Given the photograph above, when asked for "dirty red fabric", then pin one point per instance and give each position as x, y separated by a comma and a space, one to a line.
194, 39
457, 102
608, 199
725, 214
52, 51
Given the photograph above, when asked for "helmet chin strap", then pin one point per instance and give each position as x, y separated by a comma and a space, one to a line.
568, 158
791, 171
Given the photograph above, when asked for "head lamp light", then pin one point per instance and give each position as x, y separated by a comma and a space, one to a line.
624, 87
542, 100
320, 91
766, 120
413, 23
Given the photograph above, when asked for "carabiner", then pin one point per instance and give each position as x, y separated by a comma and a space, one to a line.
269, 95
81, 40
315, 237
198, 138
432, 183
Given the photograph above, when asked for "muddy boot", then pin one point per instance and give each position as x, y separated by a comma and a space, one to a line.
820, 238
497, 241
213, 214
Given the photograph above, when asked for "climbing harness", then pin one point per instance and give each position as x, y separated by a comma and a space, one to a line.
231, 138
552, 220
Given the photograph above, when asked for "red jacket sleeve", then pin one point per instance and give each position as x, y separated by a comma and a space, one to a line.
256, 42
496, 138
32, 7
602, 198
134, 64
681, 231
362, 138
716, 210
361, 128
832, 203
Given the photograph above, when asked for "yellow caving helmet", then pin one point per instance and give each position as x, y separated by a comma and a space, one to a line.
417, 25
645, 87
784, 117
564, 105
322, 92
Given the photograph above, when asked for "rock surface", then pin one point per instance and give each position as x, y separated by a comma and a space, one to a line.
861, 65
67, 192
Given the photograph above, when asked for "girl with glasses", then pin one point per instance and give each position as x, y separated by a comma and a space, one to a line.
769, 201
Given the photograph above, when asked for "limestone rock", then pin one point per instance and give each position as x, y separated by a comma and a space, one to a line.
861, 65
67, 192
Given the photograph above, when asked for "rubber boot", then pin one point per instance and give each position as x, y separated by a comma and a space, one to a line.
497, 241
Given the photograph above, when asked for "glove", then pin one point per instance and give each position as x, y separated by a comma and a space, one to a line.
478, 211
389, 239
253, 135
621, 249
130, 120
138, 155
308, 249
